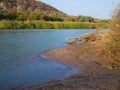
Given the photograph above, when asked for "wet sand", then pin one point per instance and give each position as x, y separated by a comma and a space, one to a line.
91, 66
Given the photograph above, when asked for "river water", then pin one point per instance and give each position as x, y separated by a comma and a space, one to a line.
21, 61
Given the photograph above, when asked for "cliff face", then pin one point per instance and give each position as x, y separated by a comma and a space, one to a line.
10, 6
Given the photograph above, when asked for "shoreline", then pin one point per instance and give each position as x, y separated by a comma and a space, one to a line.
63, 55
73, 69
85, 56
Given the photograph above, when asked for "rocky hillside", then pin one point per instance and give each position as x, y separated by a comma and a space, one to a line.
10, 6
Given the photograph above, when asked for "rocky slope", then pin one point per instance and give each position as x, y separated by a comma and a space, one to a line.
28, 6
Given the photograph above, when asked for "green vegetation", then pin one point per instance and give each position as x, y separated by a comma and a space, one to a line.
84, 19
36, 15
112, 40
39, 20
37, 24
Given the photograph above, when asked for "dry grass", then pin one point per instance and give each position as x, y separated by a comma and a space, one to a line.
95, 35
112, 44
112, 40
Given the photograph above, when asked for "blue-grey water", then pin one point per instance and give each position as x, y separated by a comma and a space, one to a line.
21, 61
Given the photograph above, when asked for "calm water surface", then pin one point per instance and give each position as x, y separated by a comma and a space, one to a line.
21, 62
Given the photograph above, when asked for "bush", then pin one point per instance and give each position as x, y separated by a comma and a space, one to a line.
39, 24
112, 40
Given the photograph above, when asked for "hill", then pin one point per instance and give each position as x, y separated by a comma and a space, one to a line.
10, 6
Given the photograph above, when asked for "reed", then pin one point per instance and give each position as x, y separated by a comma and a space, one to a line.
39, 24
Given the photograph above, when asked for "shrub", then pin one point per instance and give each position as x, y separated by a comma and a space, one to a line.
112, 40
39, 24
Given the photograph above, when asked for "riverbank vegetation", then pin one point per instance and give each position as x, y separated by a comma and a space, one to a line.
40, 20
112, 40
36, 24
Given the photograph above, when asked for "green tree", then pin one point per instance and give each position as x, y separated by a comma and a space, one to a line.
21, 16
84, 19
36, 15
12, 16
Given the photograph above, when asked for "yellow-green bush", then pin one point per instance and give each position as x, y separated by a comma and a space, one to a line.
38, 24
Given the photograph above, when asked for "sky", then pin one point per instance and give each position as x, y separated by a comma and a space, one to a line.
101, 9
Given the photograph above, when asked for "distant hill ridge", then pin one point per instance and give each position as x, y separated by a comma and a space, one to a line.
28, 6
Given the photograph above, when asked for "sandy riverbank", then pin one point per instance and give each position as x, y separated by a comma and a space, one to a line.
89, 61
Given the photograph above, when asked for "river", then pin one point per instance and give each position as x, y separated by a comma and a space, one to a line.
21, 61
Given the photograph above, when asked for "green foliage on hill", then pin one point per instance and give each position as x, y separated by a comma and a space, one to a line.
36, 15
